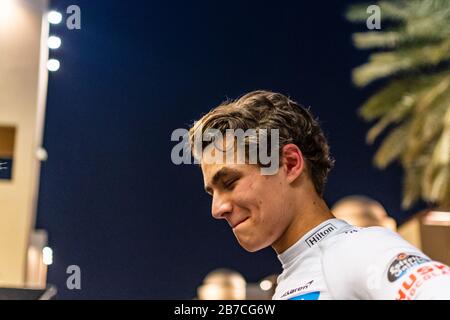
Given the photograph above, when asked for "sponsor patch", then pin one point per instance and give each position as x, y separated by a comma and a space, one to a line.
307, 296
410, 286
296, 290
351, 231
317, 236
402, 263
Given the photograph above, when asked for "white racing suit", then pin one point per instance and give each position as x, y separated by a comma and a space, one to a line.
338, 261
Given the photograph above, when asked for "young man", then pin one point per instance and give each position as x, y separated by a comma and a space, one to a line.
322, 257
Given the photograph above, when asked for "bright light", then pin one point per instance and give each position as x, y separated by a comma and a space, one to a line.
7, 8
437, 218
265, 285
53, 65
54, 42
47, 256
41, 154
54, 17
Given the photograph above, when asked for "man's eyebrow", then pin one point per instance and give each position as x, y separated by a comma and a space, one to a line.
219, 175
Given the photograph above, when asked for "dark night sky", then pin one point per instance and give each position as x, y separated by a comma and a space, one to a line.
110, 198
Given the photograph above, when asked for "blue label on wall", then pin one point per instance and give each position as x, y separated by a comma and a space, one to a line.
5, 169
307, 296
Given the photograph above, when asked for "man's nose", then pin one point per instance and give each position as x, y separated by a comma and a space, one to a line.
221, 206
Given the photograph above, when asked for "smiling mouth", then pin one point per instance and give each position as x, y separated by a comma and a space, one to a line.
234, 227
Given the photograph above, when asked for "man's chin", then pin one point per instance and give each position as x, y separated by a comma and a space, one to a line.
250, 246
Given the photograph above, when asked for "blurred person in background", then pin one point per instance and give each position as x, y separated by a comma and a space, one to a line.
222, 284
362, 211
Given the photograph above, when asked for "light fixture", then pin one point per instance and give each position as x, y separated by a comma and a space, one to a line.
47, 256
53, 65
437, 218
54, 42
54, 17
265, 285
7, 8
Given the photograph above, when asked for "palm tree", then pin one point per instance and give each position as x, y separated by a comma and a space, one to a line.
413, 105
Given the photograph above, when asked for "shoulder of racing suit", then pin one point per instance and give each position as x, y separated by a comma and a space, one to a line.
377, 263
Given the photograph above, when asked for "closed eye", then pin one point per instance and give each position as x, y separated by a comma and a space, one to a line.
209, 191
225, 178
230, 183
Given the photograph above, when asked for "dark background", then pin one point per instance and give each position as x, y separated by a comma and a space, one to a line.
111, 199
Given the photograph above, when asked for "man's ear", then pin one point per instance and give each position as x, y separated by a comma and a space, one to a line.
292, 161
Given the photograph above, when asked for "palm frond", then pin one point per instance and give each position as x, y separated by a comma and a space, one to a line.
379, 104
395, 115
391, 11
390, 63
412, 191
393, 146
415, 104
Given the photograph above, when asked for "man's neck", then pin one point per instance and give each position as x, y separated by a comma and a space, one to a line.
307, 219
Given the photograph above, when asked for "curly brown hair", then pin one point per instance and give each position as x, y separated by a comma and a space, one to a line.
269, 110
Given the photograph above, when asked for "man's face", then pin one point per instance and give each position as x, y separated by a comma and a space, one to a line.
257, 207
